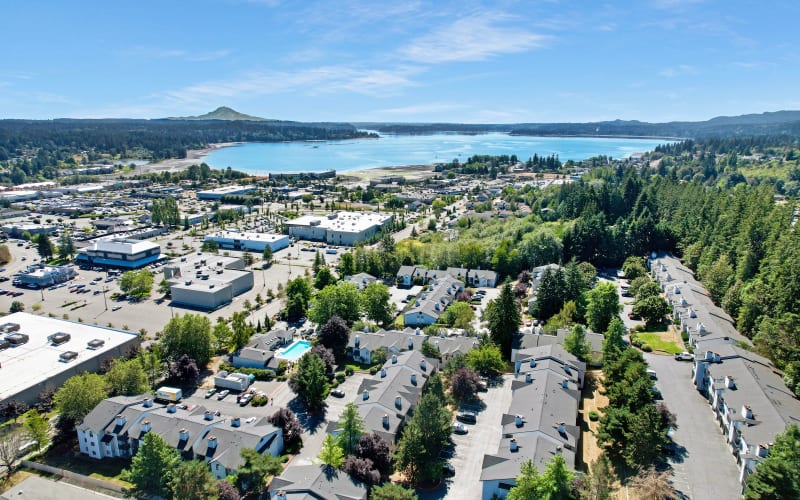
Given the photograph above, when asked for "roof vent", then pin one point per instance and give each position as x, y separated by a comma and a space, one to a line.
59, 338
18, 338
68, 356
96, 343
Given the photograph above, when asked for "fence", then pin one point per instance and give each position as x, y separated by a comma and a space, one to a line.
89, 482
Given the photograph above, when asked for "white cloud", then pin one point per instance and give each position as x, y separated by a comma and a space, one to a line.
474, 38
312, 81
679, 70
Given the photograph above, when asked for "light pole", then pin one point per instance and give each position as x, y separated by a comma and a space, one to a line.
104, 298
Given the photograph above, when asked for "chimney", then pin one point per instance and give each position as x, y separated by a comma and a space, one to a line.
418, 332
763, 450
281, 495
357, 342
146, 426
532, 363
394, 359
398, 402
437, 345
518, 420
365, 395
436, 306
512, 445
566, 369
422, 365
565, 384
385, 420
383, 372
709, 356
212, 442
730, 383
692, 314
171, 408
208, 415
184, 435
410, 344
747, 412
147, 403
236, 422
528, 378
561, 428
413, 379
366, 328
120, 420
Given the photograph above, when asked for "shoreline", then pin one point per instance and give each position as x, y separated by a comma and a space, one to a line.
196, 156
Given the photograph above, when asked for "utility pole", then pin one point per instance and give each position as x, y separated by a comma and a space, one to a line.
104, 297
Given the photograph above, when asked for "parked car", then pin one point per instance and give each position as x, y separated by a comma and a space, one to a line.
448, 469
467, 416
245, 398
338, 393
459, 428
222, 394
211, 392
683, 356
652, 374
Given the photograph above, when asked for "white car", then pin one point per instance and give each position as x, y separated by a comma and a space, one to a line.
683, 356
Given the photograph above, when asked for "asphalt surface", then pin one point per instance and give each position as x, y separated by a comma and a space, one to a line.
703, 467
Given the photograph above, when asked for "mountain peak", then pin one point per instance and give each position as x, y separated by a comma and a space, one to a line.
222, 113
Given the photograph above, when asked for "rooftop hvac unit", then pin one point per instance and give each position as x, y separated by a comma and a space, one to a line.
68, 356
9, 327
17, 338
4, 344
59, 338
96, 343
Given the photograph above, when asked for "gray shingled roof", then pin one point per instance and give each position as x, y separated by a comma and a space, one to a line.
318, 481
505, 464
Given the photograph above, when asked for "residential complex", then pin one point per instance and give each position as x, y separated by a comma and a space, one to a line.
117, 425
431, 303
410, 275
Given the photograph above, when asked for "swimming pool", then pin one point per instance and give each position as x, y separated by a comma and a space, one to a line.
295, 351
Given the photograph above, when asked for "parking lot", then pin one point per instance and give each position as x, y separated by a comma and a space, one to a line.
702, 467
483, 437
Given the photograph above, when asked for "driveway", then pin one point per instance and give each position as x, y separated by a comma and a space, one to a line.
483, 438
703, 467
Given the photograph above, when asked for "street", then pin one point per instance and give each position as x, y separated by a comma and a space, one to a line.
703, 467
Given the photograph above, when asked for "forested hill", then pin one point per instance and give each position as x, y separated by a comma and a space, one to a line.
779, 122
43, 144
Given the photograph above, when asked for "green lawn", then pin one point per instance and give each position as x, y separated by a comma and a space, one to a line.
658, 344
109, 469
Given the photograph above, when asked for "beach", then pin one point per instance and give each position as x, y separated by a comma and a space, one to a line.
193, 157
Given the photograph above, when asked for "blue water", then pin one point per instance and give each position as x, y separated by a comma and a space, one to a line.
397, 150
295, 351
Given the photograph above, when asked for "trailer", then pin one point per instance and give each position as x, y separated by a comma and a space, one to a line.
170, 394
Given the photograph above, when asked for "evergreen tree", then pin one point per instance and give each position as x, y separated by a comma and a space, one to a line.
351, 427
252, 475
602, 305
614, 341
44, 248
392, 491
776, 476
309, 381
152, 467
192, 480
504, 319
66, 246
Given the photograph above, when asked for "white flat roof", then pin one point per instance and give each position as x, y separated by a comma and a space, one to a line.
124, 246
238, 235
350, 222
36, 361
226, 190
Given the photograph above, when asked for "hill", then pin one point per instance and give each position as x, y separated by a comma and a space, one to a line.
221, 113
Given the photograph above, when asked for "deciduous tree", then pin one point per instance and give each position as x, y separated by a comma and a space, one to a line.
602, 305
351, 428
309, 381
192, 480
79, 395
331, 453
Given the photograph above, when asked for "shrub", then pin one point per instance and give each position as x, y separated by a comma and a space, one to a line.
340, 376
685, 336
334, 384
348, 370
594, 416
373, 370
259, 400
646, 347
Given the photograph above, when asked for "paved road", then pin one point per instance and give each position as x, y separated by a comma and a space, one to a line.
703, 468
483, 438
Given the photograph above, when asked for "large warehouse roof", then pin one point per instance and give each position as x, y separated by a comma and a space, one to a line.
25, 363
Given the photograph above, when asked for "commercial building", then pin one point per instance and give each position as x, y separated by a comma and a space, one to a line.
17, 230
206, 281
120, 252
343, 228
256, 242
43, 276
117, 425
218, 193
38, 353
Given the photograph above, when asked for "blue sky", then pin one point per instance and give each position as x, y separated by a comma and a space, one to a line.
401, 60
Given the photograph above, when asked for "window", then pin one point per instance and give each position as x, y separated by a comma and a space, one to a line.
505, 486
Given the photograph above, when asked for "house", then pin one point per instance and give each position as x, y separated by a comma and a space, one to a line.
315, 481
539, 423
557, 358
748, 397
361, 346
386, 399
260, 350
361, 280
474, 277
406, 274
431, 303
222, 446
538, 338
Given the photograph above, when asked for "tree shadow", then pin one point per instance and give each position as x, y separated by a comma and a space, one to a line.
310, 422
